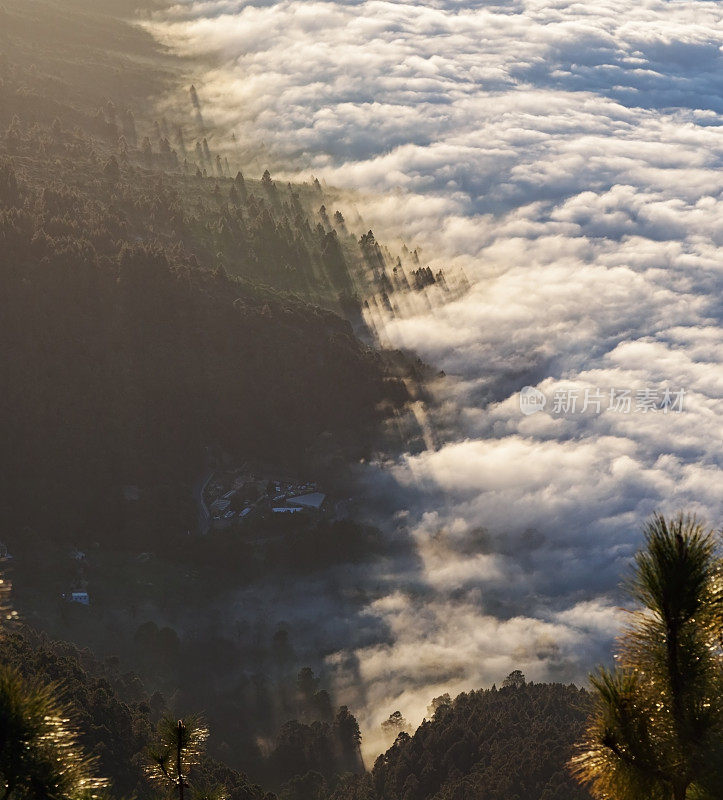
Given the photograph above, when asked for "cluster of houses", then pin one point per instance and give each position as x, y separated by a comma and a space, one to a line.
236, 497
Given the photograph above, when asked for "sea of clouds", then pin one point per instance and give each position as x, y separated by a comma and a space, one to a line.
567, 156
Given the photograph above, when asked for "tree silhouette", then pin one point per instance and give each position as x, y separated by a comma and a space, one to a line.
395, 724
657, 727
515, 680
179, 748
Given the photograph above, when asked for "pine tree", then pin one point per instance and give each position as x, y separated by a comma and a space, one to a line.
39, 752
657, 728
179, 748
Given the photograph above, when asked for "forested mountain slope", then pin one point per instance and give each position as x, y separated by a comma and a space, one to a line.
115, 719
128, 346
123, 359
498, 744
153, 315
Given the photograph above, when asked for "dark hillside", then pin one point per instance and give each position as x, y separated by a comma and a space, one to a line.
113, 715
123, 360
157, 323
498, 744
127, 350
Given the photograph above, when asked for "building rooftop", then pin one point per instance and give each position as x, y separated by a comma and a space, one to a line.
312, 500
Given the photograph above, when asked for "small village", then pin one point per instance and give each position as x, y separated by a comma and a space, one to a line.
235, 496
229, 497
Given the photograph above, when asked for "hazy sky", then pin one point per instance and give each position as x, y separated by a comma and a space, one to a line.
567, 156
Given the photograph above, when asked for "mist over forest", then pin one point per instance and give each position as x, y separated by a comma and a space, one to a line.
277, 281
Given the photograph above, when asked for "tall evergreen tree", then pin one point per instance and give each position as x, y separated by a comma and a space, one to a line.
656, 732
179, 748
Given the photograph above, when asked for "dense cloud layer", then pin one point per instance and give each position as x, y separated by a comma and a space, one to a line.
568, 157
